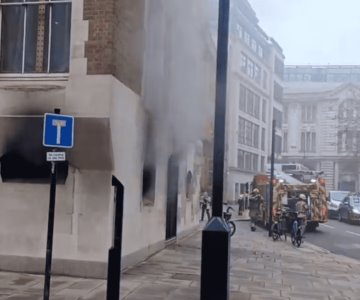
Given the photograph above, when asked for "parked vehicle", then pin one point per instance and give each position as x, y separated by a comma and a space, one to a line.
286, 190
334, 200
349, 209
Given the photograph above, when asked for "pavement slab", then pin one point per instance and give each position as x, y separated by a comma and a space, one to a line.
260, 269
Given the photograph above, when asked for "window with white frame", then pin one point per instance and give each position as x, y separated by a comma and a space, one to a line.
247, 38
308, 142
308, 113
248, 133
247, 161
249, 102
253, 45
35, 36
285, 142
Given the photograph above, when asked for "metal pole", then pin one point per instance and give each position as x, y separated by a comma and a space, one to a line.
272, 174
220, 108
216, 237
50, 234
114, 262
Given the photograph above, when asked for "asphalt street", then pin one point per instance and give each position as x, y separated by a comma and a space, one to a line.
337, 237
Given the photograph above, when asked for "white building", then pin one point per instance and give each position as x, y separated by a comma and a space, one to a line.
254, 98
321, 127
141, 99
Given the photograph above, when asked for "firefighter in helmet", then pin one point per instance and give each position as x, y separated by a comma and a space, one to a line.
255, 201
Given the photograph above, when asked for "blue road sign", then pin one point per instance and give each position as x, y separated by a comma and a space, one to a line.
58, 131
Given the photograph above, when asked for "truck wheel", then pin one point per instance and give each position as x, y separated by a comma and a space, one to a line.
311, 227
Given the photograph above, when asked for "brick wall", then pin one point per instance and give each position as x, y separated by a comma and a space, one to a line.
99, 47
116, 39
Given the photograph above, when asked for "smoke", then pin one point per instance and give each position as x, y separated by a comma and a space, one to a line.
179, 81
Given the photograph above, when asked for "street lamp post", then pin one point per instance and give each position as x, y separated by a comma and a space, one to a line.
215, 237
272, 175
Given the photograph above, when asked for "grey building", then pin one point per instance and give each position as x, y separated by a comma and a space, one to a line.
321, 124
255, 91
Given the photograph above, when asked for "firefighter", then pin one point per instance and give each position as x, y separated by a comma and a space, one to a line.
256, 200
205, 206
241, 205
301, 206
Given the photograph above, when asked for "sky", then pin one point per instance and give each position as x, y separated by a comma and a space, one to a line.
313, 31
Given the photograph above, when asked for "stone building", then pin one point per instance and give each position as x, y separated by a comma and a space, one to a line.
139, 78
321, 124
255, 91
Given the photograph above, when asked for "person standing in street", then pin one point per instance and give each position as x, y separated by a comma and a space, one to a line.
241, 205
205, 206
255, 204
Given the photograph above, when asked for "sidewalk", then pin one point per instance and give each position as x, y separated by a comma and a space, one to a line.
260, 269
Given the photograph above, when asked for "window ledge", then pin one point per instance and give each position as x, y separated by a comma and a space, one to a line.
33, 82
34, 77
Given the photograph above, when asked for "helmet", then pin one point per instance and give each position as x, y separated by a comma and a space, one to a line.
256, 191
302, 197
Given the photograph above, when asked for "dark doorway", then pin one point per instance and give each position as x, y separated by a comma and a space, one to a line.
172, 197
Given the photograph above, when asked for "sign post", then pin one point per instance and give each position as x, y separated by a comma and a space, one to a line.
272, 175
58, 133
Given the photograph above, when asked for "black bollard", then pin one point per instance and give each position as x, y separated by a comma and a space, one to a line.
114, 262
216, 237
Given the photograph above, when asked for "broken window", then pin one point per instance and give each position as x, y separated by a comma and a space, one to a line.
35, 36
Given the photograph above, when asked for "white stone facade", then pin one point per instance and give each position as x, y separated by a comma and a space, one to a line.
326, 151
113, 146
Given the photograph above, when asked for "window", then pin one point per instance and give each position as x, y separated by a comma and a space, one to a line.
285, 113
243, 63
249, 102
277, 116
257, 73
260, 51
255, 130
265, 79
349, 110
256, 106
278, 144
253, 45
239, 31
264, 110
247, 38
308, 113
248, 161
285, 142
263, 139
250, 68
349, 141
242, 100
308, 142
279, 68
35, 37
278, 92
240, 162
248, 133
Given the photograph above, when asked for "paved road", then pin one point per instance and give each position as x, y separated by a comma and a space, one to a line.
337, 237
